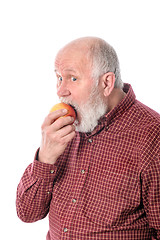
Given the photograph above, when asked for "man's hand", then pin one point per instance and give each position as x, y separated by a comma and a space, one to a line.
56, 134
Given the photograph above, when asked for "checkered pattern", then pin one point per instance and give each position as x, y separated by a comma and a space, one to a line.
106, 185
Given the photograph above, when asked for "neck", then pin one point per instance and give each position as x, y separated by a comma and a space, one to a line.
115, 98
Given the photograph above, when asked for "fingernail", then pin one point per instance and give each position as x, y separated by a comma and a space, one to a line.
64, 110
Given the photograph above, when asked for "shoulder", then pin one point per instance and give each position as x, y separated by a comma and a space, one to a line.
148, 127
142, 118
146, 113
148, 120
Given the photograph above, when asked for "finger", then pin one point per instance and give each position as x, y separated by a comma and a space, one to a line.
65, 131
51, 117
59, 128
62, 122
62, 135
67, 138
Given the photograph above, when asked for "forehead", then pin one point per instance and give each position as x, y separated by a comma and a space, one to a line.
72, 60
66, 71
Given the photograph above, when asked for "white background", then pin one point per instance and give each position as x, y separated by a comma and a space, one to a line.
31, 33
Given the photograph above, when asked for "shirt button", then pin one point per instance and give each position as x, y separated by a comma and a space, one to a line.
90, 140
82, 171
74, 200
52, 171
65, 229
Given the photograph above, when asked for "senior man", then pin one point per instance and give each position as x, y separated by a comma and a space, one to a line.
99, 177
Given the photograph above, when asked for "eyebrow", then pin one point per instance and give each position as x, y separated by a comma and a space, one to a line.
66, 70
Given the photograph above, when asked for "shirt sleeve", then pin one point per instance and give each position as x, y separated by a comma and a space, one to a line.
151, 195
34, 191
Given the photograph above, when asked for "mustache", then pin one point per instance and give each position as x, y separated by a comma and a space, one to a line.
69, 102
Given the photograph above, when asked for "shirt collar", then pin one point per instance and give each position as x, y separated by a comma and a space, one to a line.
117, 111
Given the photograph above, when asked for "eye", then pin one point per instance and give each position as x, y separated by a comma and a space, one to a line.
74, 79
60, 78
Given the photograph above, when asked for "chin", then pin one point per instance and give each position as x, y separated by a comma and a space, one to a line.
85, 127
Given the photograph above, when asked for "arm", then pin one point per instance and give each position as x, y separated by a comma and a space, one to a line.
151, 195
34, 191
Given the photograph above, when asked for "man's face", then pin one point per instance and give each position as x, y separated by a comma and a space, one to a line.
75, 86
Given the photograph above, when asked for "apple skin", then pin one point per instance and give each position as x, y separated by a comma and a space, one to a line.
71, 112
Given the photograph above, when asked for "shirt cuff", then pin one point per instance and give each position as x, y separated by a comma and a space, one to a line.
43, 170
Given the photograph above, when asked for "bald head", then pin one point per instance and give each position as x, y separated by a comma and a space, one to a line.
82, 43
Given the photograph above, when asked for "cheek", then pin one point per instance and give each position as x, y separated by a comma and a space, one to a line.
81, 93
58, 83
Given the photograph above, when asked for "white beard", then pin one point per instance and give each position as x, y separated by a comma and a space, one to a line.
90, 112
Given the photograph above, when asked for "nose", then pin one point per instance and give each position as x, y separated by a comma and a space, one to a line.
63, 90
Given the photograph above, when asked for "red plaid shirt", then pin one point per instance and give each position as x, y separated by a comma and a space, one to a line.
106, 185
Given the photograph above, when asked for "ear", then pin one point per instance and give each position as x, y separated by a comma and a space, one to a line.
108, 80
